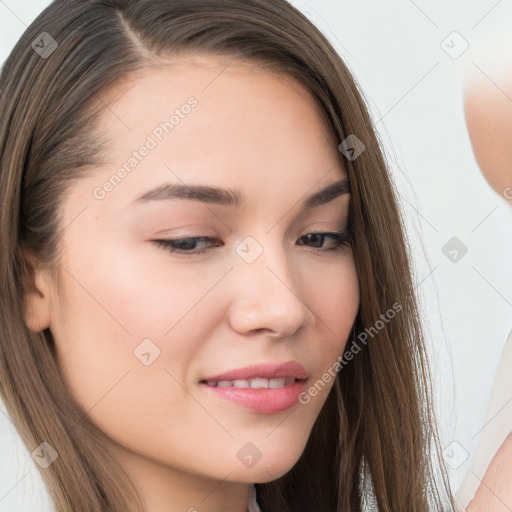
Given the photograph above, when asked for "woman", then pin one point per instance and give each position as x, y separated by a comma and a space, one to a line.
487, 485
179, 230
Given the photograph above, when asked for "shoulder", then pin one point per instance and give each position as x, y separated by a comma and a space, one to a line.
495, 491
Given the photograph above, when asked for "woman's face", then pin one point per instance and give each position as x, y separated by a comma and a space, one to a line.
138, 328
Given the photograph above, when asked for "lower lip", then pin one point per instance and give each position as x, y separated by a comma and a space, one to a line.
262, 401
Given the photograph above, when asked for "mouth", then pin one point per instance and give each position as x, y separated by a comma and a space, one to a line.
255, 383
263, 388
261, 375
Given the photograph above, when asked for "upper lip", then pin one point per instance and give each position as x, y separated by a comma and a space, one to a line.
265, 371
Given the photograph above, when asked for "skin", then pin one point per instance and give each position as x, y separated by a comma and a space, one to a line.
495, 492
488, 112
260, 133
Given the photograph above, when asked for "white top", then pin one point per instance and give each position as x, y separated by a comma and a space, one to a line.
495, 429
253, 504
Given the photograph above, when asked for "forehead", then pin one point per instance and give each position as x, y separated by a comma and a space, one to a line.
249, 126
230, 94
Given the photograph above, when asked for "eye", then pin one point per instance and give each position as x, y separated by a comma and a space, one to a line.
340, 238
188, 245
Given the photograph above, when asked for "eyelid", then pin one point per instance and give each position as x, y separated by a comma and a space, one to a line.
342, 237
205, 232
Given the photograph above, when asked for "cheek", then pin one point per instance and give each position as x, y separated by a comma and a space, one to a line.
109, 310
337, 295
133, 294
333, 294
334, 297
118, 312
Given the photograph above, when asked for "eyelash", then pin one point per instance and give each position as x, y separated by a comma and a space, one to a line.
341, 237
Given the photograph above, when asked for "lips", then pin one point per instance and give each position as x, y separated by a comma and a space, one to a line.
289, 369
260, 388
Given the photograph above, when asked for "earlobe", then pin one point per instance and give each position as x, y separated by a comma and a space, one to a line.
37, 299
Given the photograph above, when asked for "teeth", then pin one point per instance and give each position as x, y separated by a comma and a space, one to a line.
277, 383
257, 383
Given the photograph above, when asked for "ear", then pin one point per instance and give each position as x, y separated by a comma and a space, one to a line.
37, 298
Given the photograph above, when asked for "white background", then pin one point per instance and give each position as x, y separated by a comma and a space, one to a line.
414, 89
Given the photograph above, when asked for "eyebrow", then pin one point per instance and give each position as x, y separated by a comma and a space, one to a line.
234, 198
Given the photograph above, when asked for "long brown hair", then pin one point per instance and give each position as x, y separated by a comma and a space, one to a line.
375, 436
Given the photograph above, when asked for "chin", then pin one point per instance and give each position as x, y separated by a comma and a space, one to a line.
272, 467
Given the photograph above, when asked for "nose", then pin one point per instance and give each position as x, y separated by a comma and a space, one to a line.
267, 296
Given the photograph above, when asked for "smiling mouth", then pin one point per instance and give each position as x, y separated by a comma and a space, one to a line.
261, 395
255, 383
